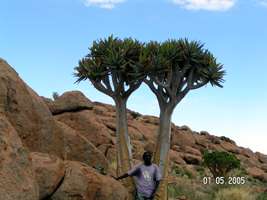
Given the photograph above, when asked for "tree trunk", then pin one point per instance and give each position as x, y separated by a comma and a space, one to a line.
161, 156
124, 152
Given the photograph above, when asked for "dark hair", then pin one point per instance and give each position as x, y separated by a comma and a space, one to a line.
147, 153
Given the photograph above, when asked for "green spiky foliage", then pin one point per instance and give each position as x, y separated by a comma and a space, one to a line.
112, 65
176, 67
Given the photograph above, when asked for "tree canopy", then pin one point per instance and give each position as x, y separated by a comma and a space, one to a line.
220, 163
177, 66
113, 65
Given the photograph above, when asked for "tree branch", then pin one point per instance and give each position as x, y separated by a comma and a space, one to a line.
100, 87
107, 83
132, 88
178, 83
154, 90
168, 82
118, 85
199, 85
180, 96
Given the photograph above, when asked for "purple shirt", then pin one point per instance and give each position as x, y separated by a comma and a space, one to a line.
145, 177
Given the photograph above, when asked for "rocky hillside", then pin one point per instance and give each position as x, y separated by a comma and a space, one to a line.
65, 148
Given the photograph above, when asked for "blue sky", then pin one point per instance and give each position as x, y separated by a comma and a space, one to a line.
43, 41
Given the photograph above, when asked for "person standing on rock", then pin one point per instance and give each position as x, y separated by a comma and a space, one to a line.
147, 176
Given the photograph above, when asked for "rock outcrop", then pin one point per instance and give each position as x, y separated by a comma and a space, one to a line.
28, 114
83, 182
69, 102
17, 179
49, 170
78, 148
64, 149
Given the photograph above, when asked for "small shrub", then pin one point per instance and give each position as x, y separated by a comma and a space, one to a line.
220, 163
55, 95
181, 172
135, 115
262, 196
100, 169
200, 170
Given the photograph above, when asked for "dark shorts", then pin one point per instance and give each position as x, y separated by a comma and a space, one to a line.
139, 196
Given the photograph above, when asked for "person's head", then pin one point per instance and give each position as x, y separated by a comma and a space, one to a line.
147, 156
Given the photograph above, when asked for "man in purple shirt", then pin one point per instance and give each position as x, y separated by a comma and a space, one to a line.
147, 178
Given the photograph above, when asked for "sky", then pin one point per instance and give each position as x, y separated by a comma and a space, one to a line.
43, 41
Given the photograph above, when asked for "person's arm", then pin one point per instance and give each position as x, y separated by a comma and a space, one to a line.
156, 187
158, 177
122, 176
131, 172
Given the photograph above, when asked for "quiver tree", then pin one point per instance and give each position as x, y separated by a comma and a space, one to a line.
114, 67
176, 67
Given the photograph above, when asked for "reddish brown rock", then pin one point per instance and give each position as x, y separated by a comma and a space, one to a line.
261, 157
49, 172
202, 141
134, 133
214, 147
226, 139
150, 146
257, 173
149, 119
87, 124
84, 183
246, 152
191, 150
78, 148
17, 178
69, 102
191, 159
138, 149
248, 162
148, 131
104, 110
230, 147
264, 167
183, 138
27, 113
176, 157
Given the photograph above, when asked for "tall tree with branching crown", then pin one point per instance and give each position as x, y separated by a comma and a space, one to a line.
114, 67
177, 67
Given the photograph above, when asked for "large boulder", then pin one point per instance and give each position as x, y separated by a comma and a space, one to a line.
49, 172
257, 173
17, 178
176, 157
146, 131
182, 138
78, 148
84, 183
87, 124
69, 102
28, 114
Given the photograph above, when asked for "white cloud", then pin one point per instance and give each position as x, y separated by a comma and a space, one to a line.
107, 4
263, 2
212, 5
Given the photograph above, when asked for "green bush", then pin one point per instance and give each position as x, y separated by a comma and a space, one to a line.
220, 163
262, 196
